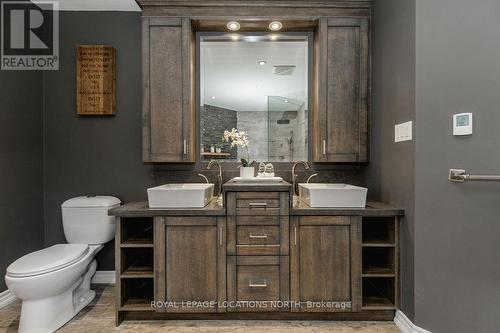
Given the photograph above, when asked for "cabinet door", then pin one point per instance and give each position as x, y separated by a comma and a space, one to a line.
325, 263
168, 79
190, 263
341, 103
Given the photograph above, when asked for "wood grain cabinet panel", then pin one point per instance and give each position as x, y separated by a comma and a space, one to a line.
341, 103
190, 262
168, 98
325, 263
263, 280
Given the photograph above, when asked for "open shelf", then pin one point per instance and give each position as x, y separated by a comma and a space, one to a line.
136, 232
378, 293
379, 267
378, 231
137, 263
378, 261
137, 294
138, 272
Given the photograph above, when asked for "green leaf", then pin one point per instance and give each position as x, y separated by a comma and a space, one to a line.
244, 162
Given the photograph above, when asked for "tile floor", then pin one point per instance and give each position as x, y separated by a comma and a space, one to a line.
99, 317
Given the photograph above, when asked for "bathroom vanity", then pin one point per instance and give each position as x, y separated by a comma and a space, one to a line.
212, 66
260, 256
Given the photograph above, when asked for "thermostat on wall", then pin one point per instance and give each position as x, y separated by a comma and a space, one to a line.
462, 124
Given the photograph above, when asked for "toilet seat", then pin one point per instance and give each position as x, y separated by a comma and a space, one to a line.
47, 260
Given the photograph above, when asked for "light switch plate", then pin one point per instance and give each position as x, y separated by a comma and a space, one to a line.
403, 132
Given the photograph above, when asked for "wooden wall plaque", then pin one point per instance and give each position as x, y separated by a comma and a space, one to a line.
95, 80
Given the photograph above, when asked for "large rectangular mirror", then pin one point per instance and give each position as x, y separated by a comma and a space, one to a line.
259, 84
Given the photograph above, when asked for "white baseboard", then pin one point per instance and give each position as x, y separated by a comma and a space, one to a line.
405, 325
6, 298
106, 277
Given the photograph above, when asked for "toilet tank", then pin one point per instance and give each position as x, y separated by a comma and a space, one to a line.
86, 220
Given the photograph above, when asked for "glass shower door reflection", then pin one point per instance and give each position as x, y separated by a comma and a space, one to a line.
287, 129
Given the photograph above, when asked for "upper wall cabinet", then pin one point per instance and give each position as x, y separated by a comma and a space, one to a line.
332, 104
341, 91
169, 129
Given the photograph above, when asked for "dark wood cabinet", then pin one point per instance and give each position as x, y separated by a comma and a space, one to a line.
340, 91
296, 263
325, 263
169, 128
341, 85
190, 263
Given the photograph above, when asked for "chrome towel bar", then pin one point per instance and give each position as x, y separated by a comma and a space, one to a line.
461, 176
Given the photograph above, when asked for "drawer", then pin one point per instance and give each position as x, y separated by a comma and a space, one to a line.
266, 235
256, 220
257, 235
261, 279
251, 203
258, 283
257, 203
257, 240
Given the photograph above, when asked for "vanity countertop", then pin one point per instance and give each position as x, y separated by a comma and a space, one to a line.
372, 209
141, 209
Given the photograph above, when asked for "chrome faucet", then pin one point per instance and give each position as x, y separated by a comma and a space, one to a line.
311, 177
294, 175
204, 177
220, 176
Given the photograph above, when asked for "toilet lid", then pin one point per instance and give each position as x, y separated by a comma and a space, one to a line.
47, 260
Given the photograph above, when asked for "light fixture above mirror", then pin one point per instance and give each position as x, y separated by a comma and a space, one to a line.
233, 26
275, 25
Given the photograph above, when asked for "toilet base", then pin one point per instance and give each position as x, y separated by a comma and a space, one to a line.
49, 314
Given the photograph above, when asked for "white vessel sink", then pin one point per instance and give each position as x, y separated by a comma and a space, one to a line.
333, 195
191, 195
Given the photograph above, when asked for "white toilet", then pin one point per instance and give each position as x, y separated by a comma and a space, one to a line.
54, 283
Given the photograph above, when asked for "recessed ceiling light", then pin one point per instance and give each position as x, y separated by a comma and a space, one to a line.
235, 37
213, 97
286, 101
262, 62
260, 86
233, 26
273, 37
275, 26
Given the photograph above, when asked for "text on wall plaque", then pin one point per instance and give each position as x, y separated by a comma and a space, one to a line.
95, 80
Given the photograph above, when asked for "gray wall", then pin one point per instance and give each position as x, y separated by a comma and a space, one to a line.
94, 155
21, 195
390, 175
457, 265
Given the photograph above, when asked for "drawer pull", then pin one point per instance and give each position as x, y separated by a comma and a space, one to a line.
257, 285
257, 204
257, 236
